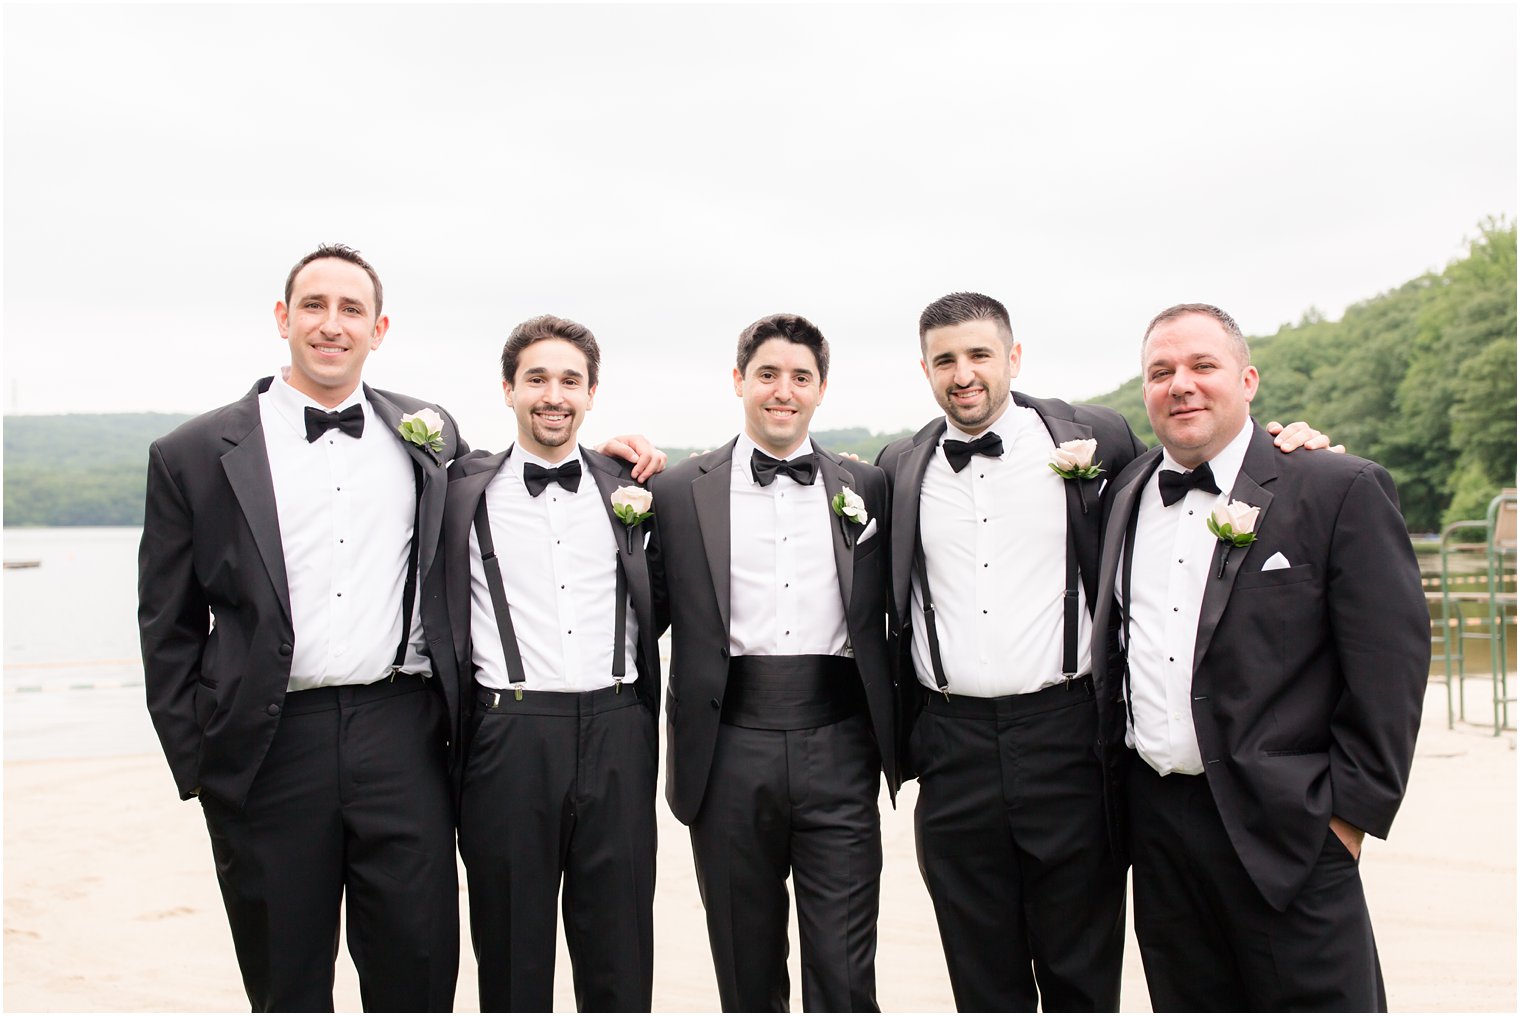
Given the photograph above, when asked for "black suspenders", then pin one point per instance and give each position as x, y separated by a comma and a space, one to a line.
1070, 602
515, 673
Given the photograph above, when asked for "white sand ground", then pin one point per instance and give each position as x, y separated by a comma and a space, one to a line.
111, 900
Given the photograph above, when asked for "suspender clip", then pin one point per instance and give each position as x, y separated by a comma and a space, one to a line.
517, 694
617, 686
495, 699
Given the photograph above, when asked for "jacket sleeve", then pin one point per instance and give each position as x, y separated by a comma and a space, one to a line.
173, 621
1381, 630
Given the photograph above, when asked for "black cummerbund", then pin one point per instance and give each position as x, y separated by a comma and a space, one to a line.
791, 692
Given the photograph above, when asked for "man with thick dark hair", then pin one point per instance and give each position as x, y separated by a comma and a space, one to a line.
767, 564
1275, 650
287, 667
550, 607
996, 519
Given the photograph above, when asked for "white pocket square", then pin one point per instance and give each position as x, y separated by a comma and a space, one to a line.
868, 532
1276, 562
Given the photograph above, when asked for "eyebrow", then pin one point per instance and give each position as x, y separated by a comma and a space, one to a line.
304, 297
771, 366
536, 371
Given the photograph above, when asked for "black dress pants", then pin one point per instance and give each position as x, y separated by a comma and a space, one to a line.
1210, 941
353, 798
1014, 849
561, 786
799, 801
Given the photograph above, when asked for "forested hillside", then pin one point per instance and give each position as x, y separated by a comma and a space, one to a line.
79, 470
1421, 379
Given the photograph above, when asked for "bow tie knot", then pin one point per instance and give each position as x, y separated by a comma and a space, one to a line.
537, 478
764, 468
959, 453
1175, 485
319, 422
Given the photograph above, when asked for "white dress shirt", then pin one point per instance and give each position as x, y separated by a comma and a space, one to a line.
995, 551
783, 584
559, 559
1174, 555
346, 508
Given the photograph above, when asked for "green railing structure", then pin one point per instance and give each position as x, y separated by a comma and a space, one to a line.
1477, 578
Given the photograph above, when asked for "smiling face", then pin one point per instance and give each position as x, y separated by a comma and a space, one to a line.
1197, 387
781, 388
550, 394
971, 367
331, 327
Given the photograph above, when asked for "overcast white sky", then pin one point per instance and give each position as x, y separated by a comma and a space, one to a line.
668, 174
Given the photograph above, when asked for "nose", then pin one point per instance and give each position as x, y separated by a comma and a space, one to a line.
1182, 383
331, 326
963, 373
784, 389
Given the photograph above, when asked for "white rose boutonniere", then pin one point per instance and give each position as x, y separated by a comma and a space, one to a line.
633, 505
424, 429
849, 505
1073, 460
1234, 523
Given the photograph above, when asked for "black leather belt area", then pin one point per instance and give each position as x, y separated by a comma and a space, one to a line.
1056, 696
791, 692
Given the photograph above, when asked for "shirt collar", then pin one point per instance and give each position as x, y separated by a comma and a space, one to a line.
746, 446
290, 405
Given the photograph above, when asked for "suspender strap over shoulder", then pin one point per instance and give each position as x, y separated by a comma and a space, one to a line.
515, 672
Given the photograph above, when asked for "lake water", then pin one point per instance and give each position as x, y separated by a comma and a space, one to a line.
73, 675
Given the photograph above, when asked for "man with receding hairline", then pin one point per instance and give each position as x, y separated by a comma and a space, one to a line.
1274, 648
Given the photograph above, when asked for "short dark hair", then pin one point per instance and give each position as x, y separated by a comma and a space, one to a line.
547, 326
1172, 313
792, 328
959, 308
343, 253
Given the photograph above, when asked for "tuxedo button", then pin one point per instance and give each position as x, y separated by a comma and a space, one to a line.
273, 709
284, 648
715, 703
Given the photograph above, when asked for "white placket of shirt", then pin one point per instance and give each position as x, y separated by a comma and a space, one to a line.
343, 548
985, 505
556, 507
786, 504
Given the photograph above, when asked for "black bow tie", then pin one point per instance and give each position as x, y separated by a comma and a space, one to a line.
350, 421
764, 468
537, 478
1174, 484
958, 453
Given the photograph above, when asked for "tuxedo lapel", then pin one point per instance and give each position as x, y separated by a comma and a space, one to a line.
1081, 495
1258, 469
247, 469
835, 478
709, 494
434, 486
907, 487
1125, 503
464, 493
629, 539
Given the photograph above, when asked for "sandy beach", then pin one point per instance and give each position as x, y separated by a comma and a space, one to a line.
111, 900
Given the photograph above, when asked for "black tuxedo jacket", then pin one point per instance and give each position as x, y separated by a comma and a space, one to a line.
690, 569
1307, 681
211, 549
905, 462
468, 478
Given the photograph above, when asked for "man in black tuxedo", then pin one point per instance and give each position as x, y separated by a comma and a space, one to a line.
1276, 650
550, 607
994, 563
767, 562
287, 670
994, 568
